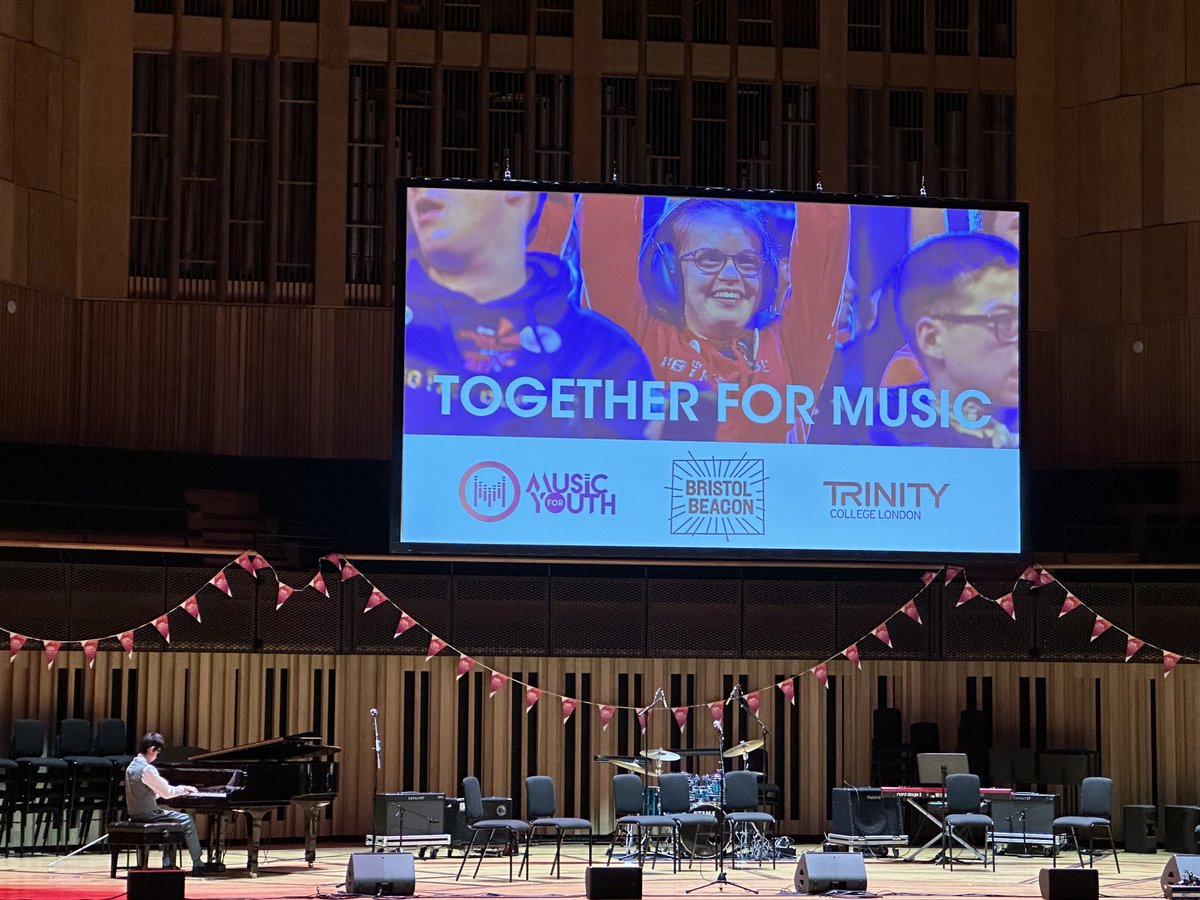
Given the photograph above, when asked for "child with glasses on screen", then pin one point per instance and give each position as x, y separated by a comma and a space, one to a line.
956, 301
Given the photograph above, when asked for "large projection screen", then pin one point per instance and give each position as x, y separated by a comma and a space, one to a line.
619, 372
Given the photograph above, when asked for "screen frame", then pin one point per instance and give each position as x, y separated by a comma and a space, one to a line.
666, 555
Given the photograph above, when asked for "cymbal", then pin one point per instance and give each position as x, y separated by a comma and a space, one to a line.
626, 764
743, 748
662, 755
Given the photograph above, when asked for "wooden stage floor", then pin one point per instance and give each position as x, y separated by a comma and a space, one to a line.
284, 876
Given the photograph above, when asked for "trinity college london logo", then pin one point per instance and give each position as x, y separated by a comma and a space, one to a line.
718, 496
489, 491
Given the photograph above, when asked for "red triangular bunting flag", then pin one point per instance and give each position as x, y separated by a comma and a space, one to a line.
927, 578
51, 648
318, 584
532, 696
220, 582
568, 707
436, 646
1044, 578
1072, 602
406, 622
643, 715
1030, 574
910, 610
606, 716
968, 593
89, 651
787, 687
247, 563
681, 715
717, 709
126, 639
283, 593
348, 571
1132, 646
1100, 626
821, 673
192, 607
1006, 604
377, 597
257, 564
465, 664
15, 643
496, 682
952, 572
881, 632
851, 653
335, 558
753, 699
1170, 661
164, 627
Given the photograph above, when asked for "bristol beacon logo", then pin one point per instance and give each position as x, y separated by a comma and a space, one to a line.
903, 500
490, 491
723, 497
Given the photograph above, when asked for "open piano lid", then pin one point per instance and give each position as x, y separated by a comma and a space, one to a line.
289, 747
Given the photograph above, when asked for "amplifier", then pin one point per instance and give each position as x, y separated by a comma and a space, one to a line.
1024, 814
409, 813
865, 813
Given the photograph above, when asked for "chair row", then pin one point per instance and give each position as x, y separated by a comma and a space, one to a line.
81, 778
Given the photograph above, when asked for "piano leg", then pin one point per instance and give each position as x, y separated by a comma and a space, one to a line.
254, 821
311, 813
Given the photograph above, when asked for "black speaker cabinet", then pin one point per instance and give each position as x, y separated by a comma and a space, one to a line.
1179, 828
864, 812
1141, 829
409, 813
498, 808
1178, 868
154, 884
381, 873
1069, 884
817, 873
613, 882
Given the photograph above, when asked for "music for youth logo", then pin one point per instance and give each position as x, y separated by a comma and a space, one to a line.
718, 496
490, 491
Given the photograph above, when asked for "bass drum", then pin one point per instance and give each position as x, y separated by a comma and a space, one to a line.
702, 840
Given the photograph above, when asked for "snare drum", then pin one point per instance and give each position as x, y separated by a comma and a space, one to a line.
651, 804
702, 839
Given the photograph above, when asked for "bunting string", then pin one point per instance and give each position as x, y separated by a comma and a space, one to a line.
1034, 576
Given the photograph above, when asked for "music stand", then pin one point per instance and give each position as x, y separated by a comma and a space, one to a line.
932, 768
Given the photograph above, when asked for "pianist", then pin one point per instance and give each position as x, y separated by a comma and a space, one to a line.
144, 787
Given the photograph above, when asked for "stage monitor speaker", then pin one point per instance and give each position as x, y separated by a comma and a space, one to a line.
381, 873
864, 812
1178, 868
1069, 884
613, 882
817, 873
1179, 828
154, 884
1141, 829
409, 813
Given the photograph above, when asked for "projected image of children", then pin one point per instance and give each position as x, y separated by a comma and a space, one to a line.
490, 325
734, 298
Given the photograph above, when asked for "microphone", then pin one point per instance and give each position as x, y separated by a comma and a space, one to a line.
735, 693
662, 695
374, 712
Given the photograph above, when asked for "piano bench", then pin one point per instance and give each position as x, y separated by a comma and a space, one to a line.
141, 836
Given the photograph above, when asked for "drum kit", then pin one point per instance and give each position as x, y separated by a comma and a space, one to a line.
706, 793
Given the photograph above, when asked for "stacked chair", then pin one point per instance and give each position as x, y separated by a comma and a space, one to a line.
628, 803
43, 789
543, 813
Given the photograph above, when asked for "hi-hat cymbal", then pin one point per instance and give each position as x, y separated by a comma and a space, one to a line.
743, 748
626, 764
662, 755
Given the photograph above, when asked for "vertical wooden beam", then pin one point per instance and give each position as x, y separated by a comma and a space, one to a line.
225, 111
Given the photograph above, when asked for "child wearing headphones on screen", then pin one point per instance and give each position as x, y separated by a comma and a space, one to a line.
716, 303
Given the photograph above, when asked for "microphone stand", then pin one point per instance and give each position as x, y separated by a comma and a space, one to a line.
375, 778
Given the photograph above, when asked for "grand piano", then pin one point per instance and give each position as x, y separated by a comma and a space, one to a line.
253, 780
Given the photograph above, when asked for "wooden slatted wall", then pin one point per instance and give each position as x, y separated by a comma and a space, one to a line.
436, 729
